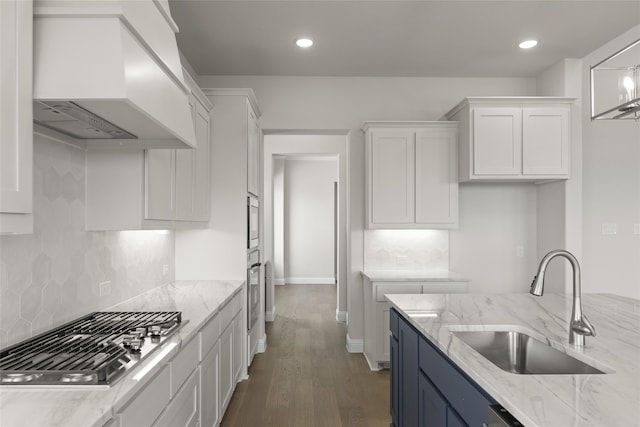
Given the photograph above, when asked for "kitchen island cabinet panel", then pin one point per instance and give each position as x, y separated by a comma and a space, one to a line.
408, 378
432, 407
432, 391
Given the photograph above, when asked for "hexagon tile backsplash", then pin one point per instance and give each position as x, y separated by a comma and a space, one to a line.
53, 275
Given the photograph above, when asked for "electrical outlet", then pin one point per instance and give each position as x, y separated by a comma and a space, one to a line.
402, 259
105, 288
609, 228
520, 251
165, 269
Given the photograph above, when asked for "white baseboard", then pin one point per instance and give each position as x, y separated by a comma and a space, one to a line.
270, 316
278, 282
262, 344
355, 345
372, 366
341, 316
310, 280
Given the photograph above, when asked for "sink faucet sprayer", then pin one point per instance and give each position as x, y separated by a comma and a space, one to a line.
580, 325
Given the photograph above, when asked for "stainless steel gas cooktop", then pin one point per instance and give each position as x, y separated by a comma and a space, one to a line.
96, 349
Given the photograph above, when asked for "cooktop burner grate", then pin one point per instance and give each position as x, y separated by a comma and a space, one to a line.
94, 349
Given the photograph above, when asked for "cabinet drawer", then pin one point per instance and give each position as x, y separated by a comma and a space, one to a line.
463, 396
183, 410
183, 364
209, 334
396, 288
149, 403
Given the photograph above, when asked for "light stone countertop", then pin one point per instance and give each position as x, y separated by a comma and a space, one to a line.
43, 406
413, 276
608, 400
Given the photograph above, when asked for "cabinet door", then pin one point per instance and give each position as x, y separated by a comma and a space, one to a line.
497, 141
16, 117
453, 419
436, 179
432, 407
184, 408
159, 184
394, 384
149, 403
545, 141
184, 177
391, 177
201, 193
253, 153
237, 347
408, 353
226, 367
209, 378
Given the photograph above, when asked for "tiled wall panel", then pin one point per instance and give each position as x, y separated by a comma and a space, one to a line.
54, 275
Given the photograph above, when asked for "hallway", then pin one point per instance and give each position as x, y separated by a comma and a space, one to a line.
307, 378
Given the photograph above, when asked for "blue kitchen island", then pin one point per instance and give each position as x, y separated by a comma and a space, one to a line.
439, 380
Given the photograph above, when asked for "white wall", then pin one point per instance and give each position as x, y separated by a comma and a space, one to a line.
323, 103
494, 220
611, 192
308, 220
278, 222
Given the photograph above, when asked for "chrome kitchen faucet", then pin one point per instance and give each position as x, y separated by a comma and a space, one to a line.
580, 325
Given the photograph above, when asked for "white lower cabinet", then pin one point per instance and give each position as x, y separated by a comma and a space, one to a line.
237, 347
184, 408
226, 368
209, 404
377, 346
195, 387
149, 403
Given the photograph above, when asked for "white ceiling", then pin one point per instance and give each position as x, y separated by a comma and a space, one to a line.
394, 38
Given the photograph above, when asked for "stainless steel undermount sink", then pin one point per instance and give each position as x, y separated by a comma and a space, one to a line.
519, 353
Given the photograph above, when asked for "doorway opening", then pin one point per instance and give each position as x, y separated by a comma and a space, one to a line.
305, 216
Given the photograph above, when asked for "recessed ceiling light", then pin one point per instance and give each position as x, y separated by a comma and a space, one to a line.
528, 44
304, 42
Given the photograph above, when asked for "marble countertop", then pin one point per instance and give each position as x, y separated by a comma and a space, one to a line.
611, 399
43, 406
413, 276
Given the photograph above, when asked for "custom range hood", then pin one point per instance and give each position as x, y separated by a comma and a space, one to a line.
107, 74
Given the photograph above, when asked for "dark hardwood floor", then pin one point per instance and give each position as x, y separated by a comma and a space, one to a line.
306, 378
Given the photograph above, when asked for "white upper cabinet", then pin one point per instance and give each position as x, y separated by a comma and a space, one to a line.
514, 138
253, 154
16, 115
411, 174
155, 188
